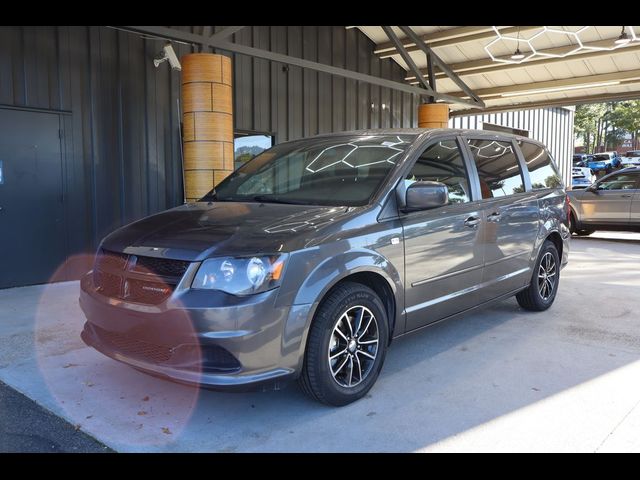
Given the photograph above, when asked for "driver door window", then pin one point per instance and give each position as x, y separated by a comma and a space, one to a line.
442, 162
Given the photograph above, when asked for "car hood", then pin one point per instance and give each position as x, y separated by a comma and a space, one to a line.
199, 230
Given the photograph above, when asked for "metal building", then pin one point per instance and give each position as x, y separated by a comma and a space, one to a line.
90, 122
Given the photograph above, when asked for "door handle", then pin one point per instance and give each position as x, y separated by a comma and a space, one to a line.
494, 217
472, 221
625, 196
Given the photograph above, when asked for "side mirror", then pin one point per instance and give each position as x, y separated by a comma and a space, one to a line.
424, 195
593, 188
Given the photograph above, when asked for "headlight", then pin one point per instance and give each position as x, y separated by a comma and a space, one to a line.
240, 275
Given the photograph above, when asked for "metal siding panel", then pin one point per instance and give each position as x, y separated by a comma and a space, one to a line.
375, 94
242, 82
407, 108
338, 117
385, 95
294, 80
324, 81
364, 89
351, 87
261, 82
310, 79
7, 40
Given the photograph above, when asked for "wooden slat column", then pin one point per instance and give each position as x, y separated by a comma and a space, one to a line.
433, 115
207, 102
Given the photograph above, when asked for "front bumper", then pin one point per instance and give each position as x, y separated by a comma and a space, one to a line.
207, 338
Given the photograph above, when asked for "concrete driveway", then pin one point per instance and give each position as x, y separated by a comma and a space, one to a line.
498, 380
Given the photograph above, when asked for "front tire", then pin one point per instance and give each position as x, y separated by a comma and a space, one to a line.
542, 289
346, 347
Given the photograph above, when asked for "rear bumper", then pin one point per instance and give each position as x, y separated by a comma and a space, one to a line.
199, 337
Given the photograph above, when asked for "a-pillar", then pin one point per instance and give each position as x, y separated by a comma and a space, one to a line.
433, 115
207, 102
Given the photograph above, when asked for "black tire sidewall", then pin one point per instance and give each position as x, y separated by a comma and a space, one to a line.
325, 320
547, 247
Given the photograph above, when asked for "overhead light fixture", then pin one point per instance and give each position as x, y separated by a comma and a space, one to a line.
559, 89
623, 38
517, 55
575, 44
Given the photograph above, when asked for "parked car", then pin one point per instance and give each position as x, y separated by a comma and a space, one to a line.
604, 162
630, 159
582, 177
612, 203
310, 258
579, 160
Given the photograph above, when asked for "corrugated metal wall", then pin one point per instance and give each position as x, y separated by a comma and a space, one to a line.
120, 113
552, 126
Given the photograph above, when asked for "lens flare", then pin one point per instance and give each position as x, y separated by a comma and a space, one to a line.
110, 400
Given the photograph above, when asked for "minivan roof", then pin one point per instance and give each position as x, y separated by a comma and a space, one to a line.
430, 132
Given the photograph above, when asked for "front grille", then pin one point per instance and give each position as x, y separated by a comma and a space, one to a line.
134, 348
139, 279
161, 266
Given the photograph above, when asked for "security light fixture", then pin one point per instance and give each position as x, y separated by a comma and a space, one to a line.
168, 53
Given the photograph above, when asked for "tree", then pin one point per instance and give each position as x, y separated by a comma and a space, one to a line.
607, 123
627, 118
587, 123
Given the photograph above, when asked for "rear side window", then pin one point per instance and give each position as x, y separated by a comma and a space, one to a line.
542, 171
497, 167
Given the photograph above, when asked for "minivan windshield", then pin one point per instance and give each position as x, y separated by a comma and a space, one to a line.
339, 170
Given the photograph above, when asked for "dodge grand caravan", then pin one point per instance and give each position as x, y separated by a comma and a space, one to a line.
309, 259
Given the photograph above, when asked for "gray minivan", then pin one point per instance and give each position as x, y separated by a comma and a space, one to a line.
309, 259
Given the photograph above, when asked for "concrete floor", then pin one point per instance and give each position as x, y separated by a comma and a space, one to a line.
498, 380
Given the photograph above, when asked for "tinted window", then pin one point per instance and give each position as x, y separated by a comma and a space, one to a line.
542, 172
442, 162
622, 181
497, 167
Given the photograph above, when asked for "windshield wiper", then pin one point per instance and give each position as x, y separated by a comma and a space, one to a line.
270, 199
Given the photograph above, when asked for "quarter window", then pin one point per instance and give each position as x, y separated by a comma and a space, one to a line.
497, 167
442, 162
542, 171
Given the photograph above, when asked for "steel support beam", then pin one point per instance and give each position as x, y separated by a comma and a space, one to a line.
407, 58
442, 65
195, 39
224, 33
431, 76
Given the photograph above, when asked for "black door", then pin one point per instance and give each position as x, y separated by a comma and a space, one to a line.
32, 242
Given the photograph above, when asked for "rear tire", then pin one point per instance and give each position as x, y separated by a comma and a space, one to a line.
542, 289
582, 232
338, 369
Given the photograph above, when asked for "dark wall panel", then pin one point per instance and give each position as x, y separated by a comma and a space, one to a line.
121, 119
